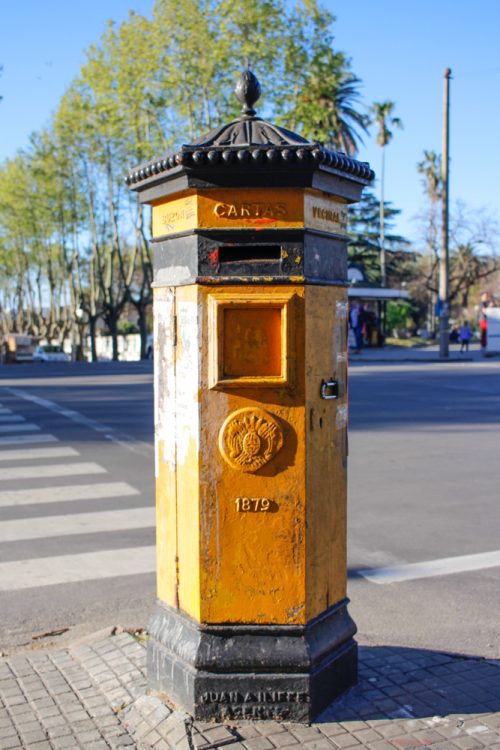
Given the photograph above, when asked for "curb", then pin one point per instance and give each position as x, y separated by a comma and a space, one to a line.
398, 360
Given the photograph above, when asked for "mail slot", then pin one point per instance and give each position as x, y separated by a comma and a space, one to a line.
250, 300
212, 257
249, 253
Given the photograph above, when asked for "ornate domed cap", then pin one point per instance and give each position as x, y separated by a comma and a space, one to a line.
248, 130
247, 92
251, 142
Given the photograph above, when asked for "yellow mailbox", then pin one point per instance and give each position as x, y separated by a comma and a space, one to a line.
250, 308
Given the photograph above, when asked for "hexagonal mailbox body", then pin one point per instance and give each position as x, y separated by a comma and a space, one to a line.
250, 305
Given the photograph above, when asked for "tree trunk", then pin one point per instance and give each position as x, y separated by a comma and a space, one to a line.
80, 338
92, 334
112, 323
143, 329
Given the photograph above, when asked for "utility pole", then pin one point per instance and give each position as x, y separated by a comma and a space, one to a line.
444, 291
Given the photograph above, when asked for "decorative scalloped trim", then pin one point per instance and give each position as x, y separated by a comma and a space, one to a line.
304, 155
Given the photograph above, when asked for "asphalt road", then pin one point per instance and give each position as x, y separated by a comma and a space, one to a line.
77, 496
83, 521
424, 485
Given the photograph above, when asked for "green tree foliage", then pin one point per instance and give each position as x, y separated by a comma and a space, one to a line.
322, 95
40, 223
73, 238
472, 245
364, 247
398, 314
430, 169
382, 116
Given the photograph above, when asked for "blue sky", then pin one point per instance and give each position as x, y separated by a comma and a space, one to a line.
399, 48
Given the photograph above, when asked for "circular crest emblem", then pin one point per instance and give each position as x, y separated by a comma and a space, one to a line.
249, 438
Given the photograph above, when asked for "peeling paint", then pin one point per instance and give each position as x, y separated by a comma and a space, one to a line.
341, 418
249, 567
172, 275
164, 375
187, 378
295, 614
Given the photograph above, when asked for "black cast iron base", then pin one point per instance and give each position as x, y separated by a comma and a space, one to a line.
232, 671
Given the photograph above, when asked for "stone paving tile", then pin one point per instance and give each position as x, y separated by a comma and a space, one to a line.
60, 731
282, 740
246, 730
45, 707
29, 738
303, 733
345, 740
492, 721
331, 729
6, 732
380, 745
468, 743
322, 743
406, 699
259, 743
62, 743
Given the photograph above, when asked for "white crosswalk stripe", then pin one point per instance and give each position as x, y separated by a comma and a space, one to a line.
85, 566
23, 454
71, 492
50, 470
77, 523
35, 438
432, 568
29, 460
28, 427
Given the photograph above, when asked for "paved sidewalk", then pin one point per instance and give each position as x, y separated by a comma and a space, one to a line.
430, 353
94, 696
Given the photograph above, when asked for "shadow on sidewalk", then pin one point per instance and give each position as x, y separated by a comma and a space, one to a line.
408, 683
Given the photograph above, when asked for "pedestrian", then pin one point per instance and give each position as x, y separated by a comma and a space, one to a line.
465, 336
483, 329
357, 321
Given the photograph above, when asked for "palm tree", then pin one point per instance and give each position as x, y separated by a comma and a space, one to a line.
430, 169
339, 122
381, 113
326, 108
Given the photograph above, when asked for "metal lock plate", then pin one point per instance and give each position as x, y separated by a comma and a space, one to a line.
329, 389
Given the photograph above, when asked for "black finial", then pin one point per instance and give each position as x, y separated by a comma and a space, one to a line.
247, 92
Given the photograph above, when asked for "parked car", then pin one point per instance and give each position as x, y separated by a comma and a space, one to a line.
18, 347
50, 353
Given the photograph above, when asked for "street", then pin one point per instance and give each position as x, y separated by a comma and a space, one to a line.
424, 486
77, 498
